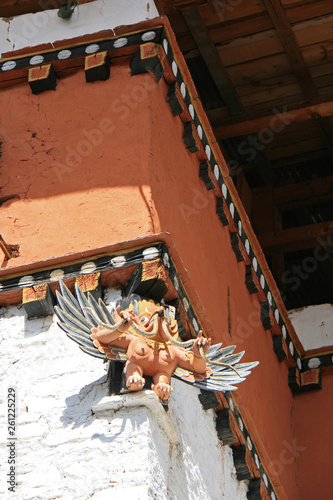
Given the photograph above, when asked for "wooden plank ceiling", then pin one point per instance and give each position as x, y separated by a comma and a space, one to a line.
264, 72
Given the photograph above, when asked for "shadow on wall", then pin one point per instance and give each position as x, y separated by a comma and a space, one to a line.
79, 405
79, 413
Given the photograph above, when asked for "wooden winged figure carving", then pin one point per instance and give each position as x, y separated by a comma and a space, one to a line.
145, 334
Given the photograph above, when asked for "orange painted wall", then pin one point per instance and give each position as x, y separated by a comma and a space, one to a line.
132, 177
65, 154
312, 421
204, 245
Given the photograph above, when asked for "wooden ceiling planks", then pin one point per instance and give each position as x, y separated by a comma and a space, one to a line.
294, 239
250, 48
304, 193
212, 59
291, 47
313, 143
247, 124
307, 10
251, 26
210, 55
227, 12
301, 71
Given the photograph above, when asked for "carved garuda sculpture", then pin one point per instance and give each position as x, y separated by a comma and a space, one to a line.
145, 335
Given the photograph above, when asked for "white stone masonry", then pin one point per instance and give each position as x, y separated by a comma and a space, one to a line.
65, 451
30, 30
313, 325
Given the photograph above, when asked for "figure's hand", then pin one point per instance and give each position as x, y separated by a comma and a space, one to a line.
200, 341
126, 315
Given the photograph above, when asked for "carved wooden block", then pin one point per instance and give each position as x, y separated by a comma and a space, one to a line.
149, 280
208, 399
42, 78
243, 470
97, 67
235, 246
279, 347
309, 380
265, 315
175, 99
249, 280
225, 427
148, 57
38, 301
221, 211
254, 489
204, 175
90, 283
190, 137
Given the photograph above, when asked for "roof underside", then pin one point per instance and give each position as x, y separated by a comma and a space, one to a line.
264, 72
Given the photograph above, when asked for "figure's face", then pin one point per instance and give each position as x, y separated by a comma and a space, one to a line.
155, 318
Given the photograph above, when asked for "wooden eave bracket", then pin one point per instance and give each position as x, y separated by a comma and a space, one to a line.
97, 67
150, 57
241, 462
300, 382
10, 251
226, 427
208, 399
149, 280
42, 78
38, 301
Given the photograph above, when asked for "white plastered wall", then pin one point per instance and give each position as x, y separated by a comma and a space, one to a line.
65, 451
313, 325
30, 30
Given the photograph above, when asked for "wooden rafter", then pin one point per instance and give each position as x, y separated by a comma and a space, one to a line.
291, 47
221, 78
212, 59
247, 124
305, 193
326, 130
296, 60
296, 238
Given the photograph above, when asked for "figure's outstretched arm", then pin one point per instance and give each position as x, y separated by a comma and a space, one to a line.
107, 336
